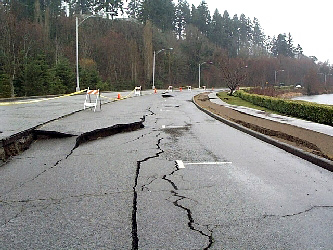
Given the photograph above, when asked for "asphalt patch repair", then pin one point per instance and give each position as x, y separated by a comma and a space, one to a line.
307, 140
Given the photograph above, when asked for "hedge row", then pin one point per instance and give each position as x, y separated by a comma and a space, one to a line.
305, 110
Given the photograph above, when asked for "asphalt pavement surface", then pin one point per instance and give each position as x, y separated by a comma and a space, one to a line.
183, 181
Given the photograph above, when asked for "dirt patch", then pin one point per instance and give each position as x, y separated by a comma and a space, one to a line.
308, 140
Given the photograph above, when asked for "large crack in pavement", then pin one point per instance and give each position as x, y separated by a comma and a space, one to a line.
191, 222
105, 132
299, 213
83, 138
135, 238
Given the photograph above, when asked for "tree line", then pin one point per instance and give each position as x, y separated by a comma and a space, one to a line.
116, 45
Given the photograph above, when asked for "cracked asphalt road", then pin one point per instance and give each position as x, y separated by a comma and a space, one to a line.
125, 191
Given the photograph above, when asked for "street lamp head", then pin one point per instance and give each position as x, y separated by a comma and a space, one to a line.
163, 50
208, 62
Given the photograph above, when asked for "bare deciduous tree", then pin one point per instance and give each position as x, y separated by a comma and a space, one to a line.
234, 72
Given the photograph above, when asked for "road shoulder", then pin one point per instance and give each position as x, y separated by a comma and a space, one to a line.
307, 144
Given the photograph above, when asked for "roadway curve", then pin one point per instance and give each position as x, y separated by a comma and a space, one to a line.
184, 181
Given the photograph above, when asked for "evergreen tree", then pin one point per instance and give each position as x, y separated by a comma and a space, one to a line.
245, 34
133, 8
216, 29
227, 34
34, 78
299, 51
90, 78
201, 17
258, 47
160, 12
64, 74
79, 6
182, 16
109, 6
5, 88
258, 35
290, 46
23, 9
236, 43
280, 46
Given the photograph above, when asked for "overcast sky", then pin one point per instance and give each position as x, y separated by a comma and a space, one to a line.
309, 22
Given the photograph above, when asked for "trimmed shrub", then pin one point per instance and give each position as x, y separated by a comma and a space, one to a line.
305, 110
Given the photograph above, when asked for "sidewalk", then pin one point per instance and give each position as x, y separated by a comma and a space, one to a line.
321, 128
308, 140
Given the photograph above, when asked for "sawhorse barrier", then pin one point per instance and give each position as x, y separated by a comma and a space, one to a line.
90, 102
137, 91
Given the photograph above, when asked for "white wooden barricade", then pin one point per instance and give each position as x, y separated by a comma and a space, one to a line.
92, 99
137, 91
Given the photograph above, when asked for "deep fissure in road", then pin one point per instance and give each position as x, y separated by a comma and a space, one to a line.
191, 223
18, 143
135, 238
83, 138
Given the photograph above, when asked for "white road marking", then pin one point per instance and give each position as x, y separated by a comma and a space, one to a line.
208, 163
182, 164
173, 127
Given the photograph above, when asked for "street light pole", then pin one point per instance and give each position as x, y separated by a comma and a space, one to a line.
77, 24
275, 74
77, 55
154, 70
154, 63
200, 70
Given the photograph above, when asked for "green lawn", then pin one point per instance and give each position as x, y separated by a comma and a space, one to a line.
233, 100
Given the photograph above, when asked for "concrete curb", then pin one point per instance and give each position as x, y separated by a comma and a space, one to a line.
319, 161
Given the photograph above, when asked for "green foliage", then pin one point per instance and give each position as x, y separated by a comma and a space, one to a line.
182, 17
160, 12
122, 53
201, 17
38, 78
103, 86
64, 74
5, 90
89, 6
235, 100
56, 87
34, 77
283, 47
309, 111
89, 78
